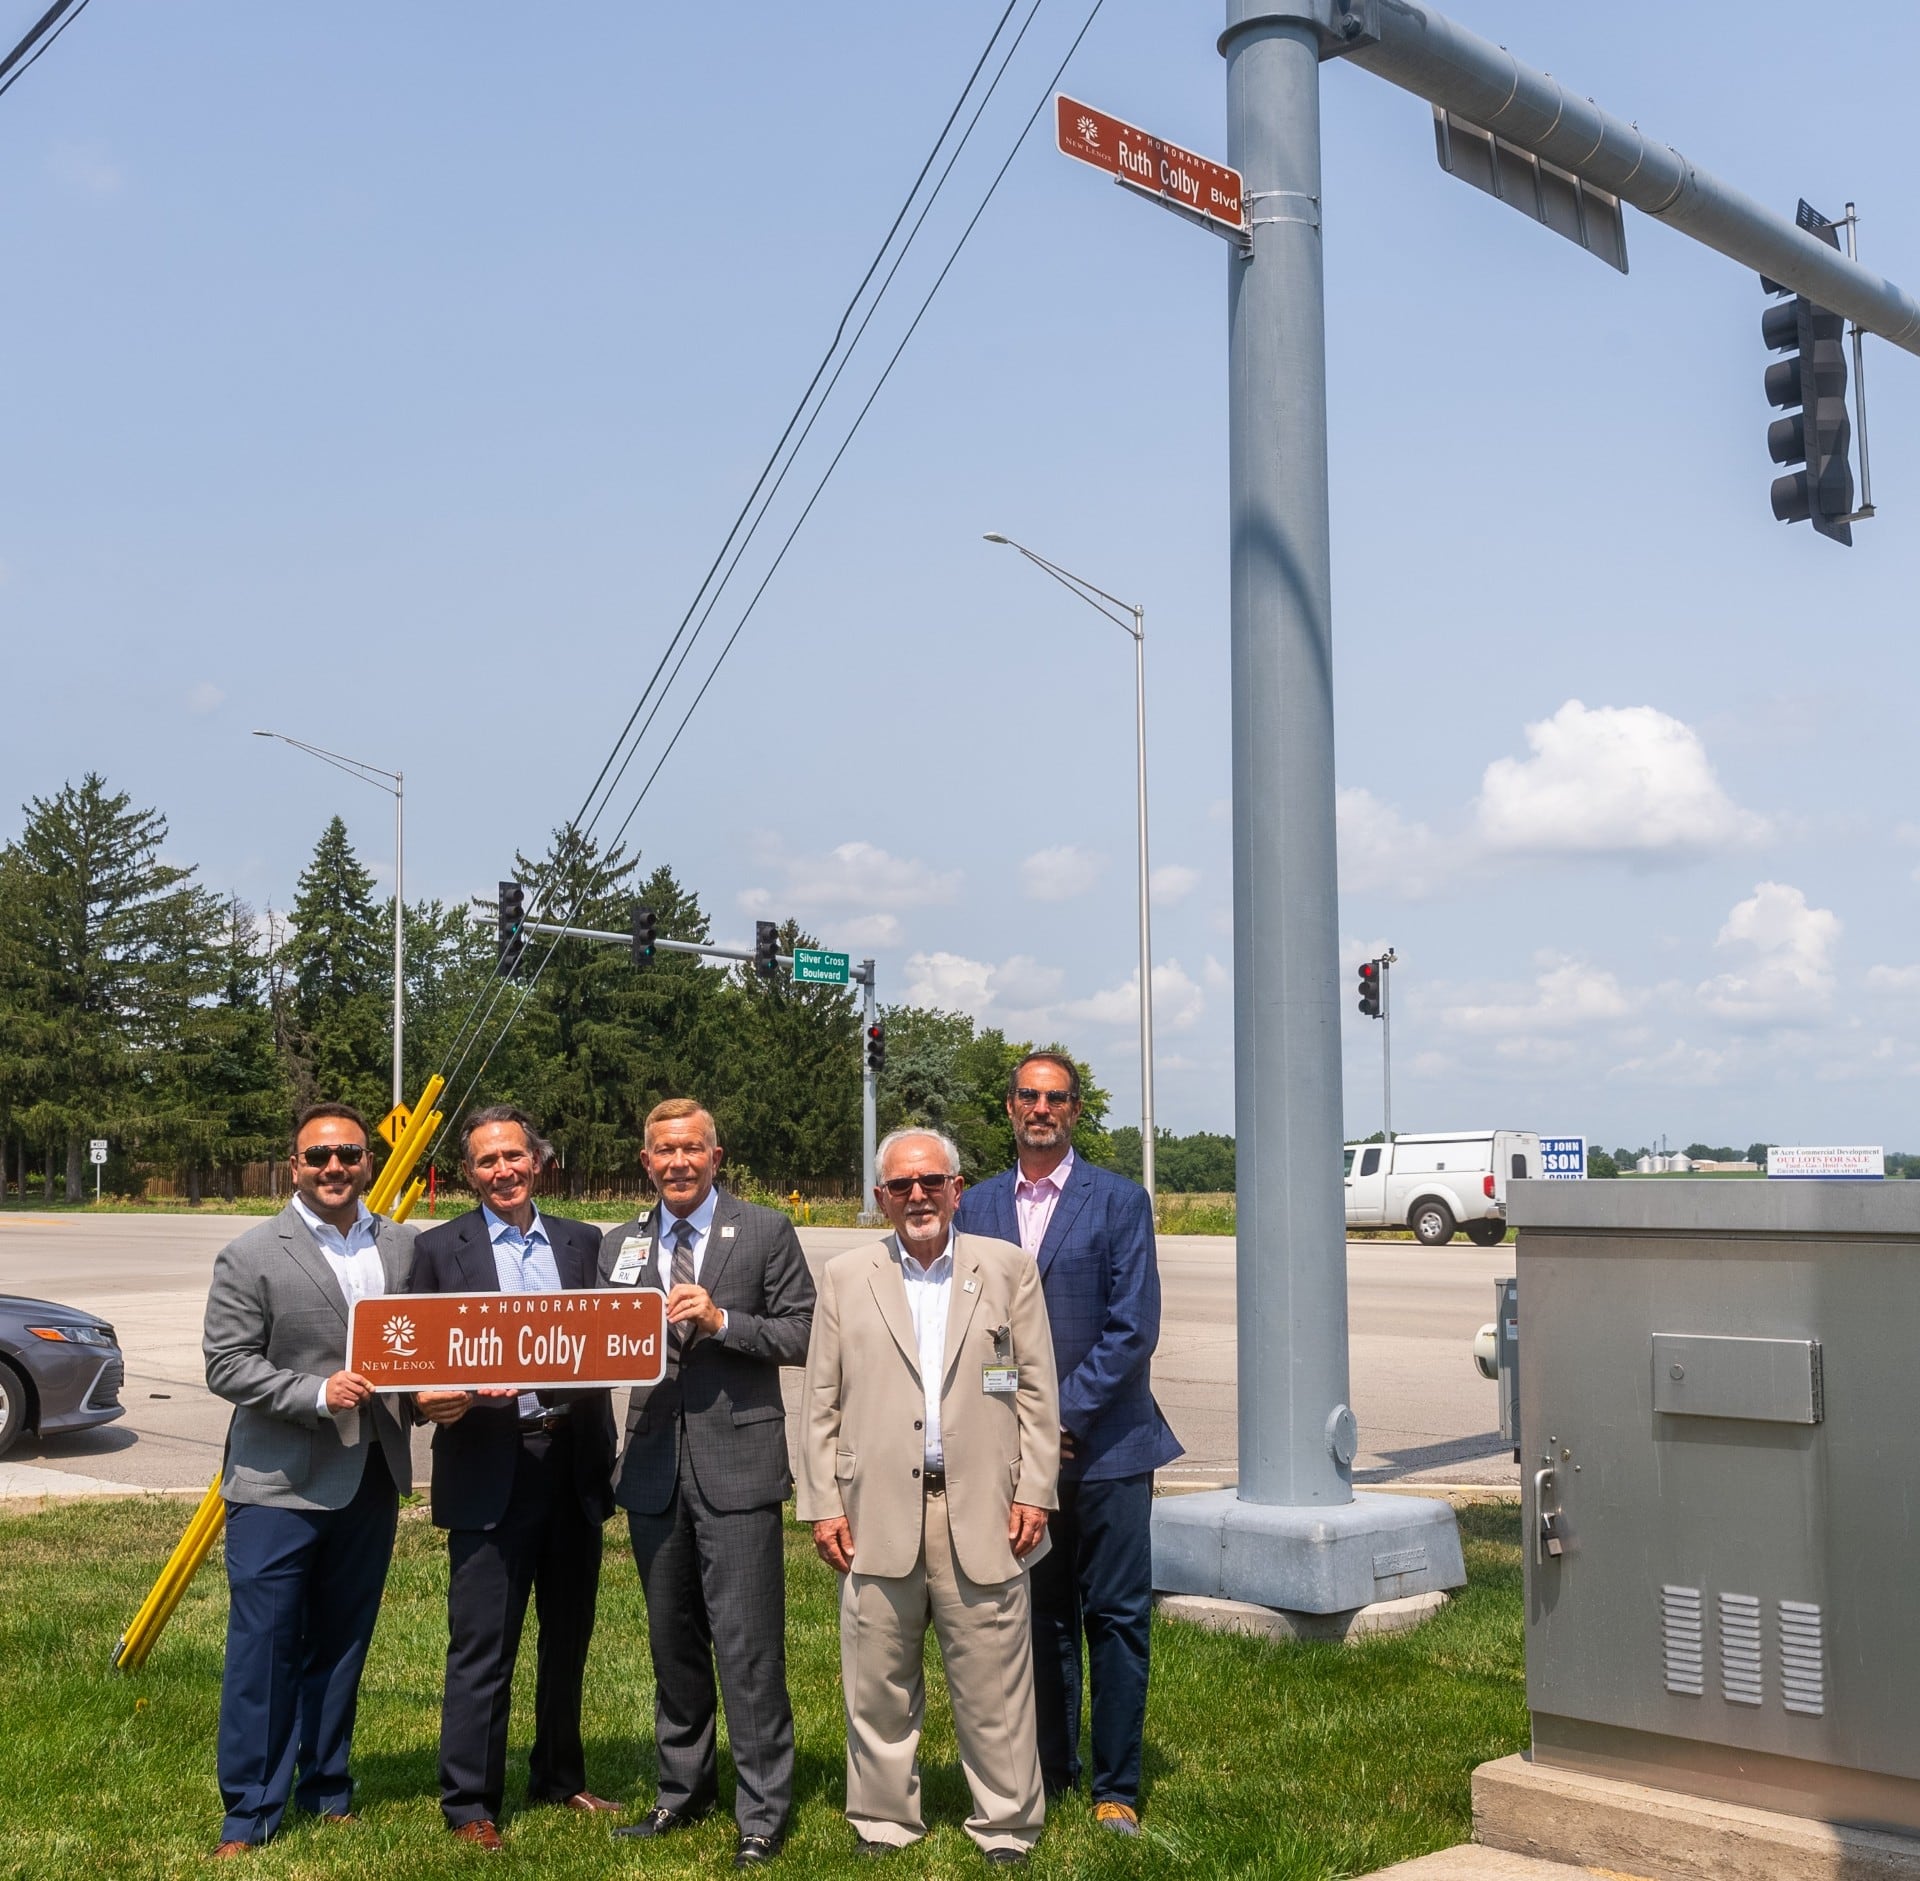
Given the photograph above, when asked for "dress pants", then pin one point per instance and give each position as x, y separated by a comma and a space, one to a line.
716, 1592
547, 1545
985, 1649
1096, 1579
303, 1591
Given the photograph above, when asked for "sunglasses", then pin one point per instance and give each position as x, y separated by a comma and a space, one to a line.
900, 1187
319, 1155
1027, 1095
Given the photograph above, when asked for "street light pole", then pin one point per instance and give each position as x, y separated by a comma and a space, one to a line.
394, 783
1137, 628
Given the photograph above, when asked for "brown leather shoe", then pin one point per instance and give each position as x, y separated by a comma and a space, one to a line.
481, 1834
344, 1815
593, 1805
227, 1850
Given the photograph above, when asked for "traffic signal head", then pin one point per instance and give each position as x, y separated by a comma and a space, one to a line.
513, 913
643, 931
766, 948
1810, 385
876, 1047
1370, 988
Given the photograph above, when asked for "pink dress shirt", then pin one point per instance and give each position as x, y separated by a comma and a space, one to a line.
1034, 1202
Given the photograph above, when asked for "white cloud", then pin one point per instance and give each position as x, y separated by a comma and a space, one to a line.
1215, 976
86, 167
1382, 852
1177, 1001
1784, 958
1566, 995
1017, 990
858, 886
1060, 873
1172, 882
1900, 982
204, 698
1611, 780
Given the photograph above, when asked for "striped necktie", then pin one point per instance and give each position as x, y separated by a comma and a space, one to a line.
681, 1274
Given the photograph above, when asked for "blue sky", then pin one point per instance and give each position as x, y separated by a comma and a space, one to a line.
390, 375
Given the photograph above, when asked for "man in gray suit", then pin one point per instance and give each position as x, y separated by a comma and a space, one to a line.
315, 1464
703, 1477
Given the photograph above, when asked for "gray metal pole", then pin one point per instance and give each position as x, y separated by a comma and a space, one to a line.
869, 1097
1148, 1138
1427, 54
399, 936
1386, 1051
1287, 1101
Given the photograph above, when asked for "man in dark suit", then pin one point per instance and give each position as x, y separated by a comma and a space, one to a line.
521, 1485
311, 1478
704, 1475
1091, 1233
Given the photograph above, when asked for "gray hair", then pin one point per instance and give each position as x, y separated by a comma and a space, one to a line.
948, 1146
537, 1145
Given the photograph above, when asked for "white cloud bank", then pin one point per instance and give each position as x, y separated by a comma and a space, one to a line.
858, 886
1022, 995
1061, 873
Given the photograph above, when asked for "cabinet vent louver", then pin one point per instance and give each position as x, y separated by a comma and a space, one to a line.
1741, 1679
1802, 1679
1681, 1636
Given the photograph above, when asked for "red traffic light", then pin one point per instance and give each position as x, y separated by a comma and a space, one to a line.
1370, 984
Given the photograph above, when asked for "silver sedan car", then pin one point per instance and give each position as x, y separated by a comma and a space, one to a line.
60, 1369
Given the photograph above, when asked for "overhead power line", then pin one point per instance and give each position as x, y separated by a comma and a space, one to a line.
40, 35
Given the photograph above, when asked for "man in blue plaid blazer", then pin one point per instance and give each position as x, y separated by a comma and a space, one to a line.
1091, 1233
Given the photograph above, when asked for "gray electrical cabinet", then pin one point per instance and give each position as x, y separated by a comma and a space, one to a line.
1720, 1481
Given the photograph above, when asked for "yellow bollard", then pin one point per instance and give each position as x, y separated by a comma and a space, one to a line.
415, 1189
209, 1521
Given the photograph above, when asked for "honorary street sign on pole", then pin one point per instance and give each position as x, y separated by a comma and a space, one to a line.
816, 967
537, 1341
1150, 163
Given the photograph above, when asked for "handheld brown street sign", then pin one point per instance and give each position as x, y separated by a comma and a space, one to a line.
532, 1341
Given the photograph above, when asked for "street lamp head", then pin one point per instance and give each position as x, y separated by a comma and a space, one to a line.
994, 536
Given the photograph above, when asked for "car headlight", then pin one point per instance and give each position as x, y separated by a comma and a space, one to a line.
75, 1335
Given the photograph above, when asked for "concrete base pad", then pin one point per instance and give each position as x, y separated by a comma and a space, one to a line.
1631, 1828
1329, 1559
1241, 1616
1470, 1862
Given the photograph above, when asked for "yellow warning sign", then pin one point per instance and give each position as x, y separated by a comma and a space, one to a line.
393, 1123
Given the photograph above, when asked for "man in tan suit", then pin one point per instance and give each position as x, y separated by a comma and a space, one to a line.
929, 1454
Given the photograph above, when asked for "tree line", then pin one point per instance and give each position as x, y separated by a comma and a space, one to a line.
187, 1027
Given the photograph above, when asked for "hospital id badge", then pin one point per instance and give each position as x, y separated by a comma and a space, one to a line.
1000, 1381
632, 1257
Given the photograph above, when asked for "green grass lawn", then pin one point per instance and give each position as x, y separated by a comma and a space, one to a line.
1291, 1761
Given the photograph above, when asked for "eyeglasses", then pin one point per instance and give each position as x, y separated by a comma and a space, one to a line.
1027, 1095
900, 1187
319, 1155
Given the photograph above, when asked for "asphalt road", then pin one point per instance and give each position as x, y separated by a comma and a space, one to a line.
1425, 1413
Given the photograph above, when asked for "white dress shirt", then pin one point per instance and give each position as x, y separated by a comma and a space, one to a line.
929, 1291
523, 1263
701, 1222
354, 1258
1034, 1202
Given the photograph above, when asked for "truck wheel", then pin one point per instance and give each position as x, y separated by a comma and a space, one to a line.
13, 1406
1432, 1224
1486, 1233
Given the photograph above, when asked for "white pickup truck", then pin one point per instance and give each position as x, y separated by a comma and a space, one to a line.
1456, 1179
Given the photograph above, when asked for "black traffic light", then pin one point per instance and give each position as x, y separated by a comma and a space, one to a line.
766, 948
876, 1047
1813, 377
513, 912
643, 930
1370, 988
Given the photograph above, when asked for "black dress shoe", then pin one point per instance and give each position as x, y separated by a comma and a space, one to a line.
659, 1821
756, 1850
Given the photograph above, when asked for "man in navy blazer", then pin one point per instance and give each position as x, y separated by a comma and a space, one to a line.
522, 1482
1091, 1233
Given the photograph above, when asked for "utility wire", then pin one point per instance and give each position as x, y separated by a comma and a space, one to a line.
20, 60
713, 672
582, 825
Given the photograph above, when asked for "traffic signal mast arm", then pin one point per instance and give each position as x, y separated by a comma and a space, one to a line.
1425, 53
857, 974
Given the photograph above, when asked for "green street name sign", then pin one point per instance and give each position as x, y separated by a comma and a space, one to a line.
818, 968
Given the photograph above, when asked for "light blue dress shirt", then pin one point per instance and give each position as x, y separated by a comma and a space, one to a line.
523, 1263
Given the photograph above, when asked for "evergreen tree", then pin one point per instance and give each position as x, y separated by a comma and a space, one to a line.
338, 1031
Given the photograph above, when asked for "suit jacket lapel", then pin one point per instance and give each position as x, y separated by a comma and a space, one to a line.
311, 1262
475, 1258
963, 1301
1073, 1198
393, 1255
1006, 1218
719, 1246
890, 1293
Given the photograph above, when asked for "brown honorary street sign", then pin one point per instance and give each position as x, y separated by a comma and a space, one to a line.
1150, 163
536, 1341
